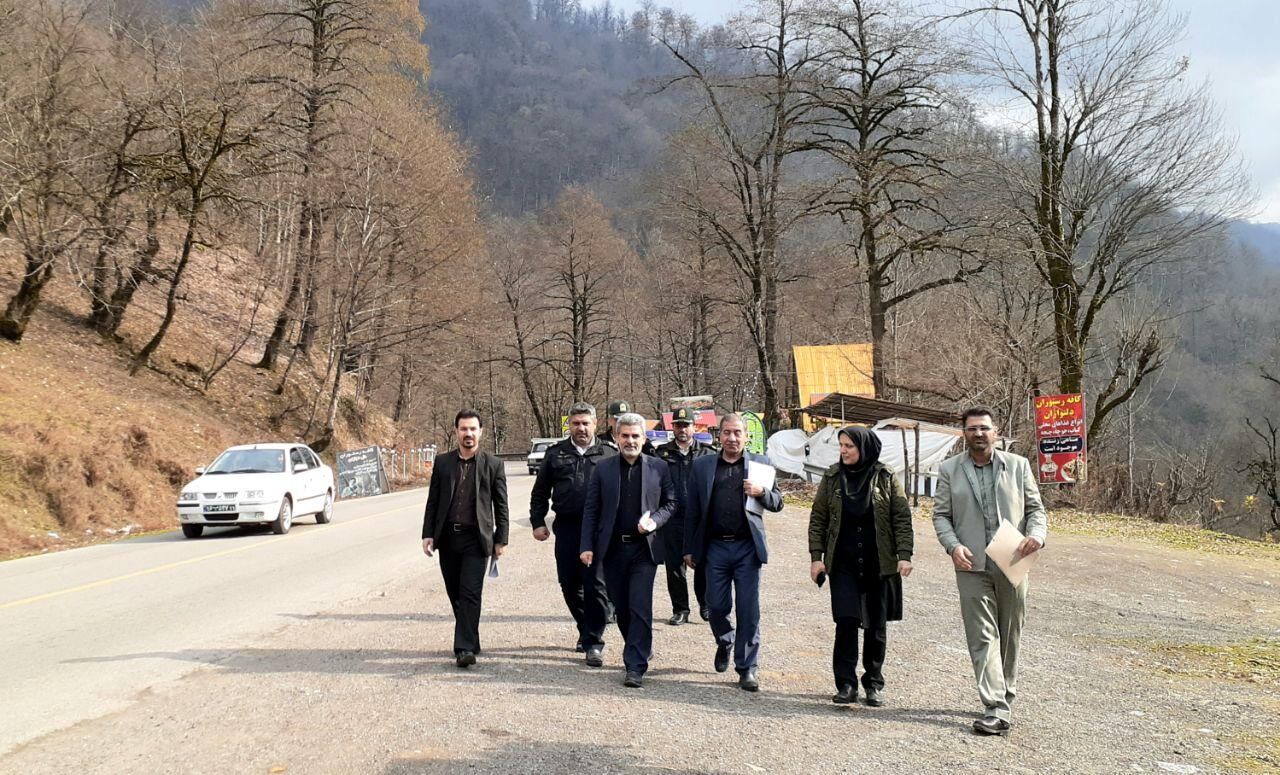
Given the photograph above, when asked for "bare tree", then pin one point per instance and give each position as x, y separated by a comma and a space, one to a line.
523, 285
41, 155
1124, 164
750, 88
127, 202
880, 112
1263, 469
322, 56
211, 124
585, 256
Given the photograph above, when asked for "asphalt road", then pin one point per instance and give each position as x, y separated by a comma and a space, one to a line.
328, 651
66, 617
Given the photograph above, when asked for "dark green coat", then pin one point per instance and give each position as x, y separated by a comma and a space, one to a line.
895, 539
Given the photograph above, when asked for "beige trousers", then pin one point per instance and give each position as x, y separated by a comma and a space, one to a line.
993, 611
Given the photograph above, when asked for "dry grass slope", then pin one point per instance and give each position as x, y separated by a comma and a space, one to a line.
87, 451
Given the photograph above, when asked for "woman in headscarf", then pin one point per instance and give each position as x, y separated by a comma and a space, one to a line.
860, 537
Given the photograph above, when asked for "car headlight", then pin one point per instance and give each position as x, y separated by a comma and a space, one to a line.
254, 494
187, 496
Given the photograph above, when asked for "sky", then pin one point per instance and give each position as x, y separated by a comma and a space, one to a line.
1234, 44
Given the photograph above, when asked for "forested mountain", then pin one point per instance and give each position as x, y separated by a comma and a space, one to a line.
549, 96
553, 201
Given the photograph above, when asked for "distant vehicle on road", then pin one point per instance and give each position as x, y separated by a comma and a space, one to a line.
538, 452
258, 484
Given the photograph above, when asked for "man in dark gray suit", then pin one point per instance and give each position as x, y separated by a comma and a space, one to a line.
629, 498
724, 529
466, 520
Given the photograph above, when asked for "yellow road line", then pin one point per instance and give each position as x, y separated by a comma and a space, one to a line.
178, 564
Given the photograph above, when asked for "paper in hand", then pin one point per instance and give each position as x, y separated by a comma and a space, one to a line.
647, 522
763, 475
493, 567
1003, 551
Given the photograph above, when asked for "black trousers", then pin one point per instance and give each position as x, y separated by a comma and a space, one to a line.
583, 588
463, 564
672, 536
629, 570
844, 657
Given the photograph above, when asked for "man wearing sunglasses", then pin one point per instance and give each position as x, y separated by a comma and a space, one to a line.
978, 489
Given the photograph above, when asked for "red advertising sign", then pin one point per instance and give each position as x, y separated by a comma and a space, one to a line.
1060, 438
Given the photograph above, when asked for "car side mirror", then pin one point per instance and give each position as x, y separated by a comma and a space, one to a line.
299, 467
200, 470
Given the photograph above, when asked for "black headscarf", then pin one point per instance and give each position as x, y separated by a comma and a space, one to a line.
857, 477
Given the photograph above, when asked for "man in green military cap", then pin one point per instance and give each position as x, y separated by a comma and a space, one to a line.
679, 454
616, 409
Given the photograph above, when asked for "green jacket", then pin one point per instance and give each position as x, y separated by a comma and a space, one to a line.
895, 538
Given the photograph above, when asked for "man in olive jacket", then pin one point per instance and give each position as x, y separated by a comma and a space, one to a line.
977, 490
466, 520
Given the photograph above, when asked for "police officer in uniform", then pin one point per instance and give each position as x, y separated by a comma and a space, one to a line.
617, 408
561, 484
679, 454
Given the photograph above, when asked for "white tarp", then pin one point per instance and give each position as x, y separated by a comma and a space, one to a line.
790, 450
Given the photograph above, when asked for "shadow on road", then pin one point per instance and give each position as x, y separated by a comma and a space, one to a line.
424, 617
518, 756
535, 671
220, 533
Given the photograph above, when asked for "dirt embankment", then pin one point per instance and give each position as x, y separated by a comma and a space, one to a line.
88, 453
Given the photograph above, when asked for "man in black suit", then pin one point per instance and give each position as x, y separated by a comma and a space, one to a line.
466, 520
629, 498
724, 529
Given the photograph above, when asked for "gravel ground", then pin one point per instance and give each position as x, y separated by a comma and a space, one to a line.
369, 686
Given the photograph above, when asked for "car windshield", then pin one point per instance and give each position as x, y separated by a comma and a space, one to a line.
541, 446
248, 461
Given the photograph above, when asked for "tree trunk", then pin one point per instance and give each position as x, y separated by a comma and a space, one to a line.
171, 299
402, 392
108, 314
22, 305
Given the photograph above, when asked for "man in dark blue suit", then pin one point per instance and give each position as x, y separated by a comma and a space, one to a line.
629, 497
724, 530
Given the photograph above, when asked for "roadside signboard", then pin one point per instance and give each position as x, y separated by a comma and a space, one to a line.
360, 473
1060, 432
755, 432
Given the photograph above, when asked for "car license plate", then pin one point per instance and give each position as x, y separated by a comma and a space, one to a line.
219, 507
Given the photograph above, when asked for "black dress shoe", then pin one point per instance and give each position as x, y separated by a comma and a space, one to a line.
722, 658
705, 613
845, 695
874, 698
749, 682
679, 618
595, 656
633, 680
990, 725
466, 659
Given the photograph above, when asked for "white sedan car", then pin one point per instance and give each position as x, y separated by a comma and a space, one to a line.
256, 484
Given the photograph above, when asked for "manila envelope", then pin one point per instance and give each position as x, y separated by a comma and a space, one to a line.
1003, 550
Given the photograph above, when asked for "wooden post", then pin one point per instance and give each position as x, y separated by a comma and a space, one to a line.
915, 486
906, 459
